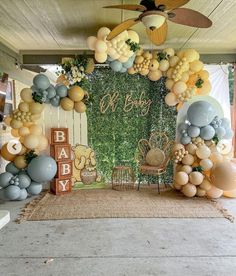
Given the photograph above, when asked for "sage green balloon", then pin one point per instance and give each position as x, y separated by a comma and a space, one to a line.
24, 180
11, 168
5, 179
41, 81
23, 194
12, 192
35, 188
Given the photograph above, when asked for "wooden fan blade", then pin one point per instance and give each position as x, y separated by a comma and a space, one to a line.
190, 17
139, 8
158, 36
122, 27
170, 4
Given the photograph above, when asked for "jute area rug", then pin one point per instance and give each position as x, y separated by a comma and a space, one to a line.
107, 203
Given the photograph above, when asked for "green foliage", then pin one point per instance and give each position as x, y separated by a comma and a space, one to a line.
133, 45
199, 83
198, 169
216, 139
114, 135
161, 56
30, 155
37, 97
231, 83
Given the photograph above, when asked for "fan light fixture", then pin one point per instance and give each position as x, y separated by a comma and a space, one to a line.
153, 21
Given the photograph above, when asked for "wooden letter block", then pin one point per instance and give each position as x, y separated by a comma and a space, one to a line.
59, 136
64, 169
60, 152
61, 185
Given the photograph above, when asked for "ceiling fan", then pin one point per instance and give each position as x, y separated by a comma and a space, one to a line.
154, 16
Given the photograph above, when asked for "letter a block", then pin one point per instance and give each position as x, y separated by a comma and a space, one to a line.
64, 169
60, 152
59, 136
61, 186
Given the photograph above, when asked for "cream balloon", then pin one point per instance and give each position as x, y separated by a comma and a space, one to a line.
187, 169
205, 185
206, 164
216, 158
200, 192
230, 194
31, 141
43, 143
188, 159
100, 57
196, 178
23, 131
171, 99
191, 148
36, 129
100, 46
179, 87
181, 178
203, 152
155, 75
169, 83
26, 95
91, 40
103, 33
214, 192
133, 36
189, 190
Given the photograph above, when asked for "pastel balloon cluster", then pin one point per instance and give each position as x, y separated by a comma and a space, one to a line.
201, 164
203, 124
17, 184
186, 77
120, 67
116, 49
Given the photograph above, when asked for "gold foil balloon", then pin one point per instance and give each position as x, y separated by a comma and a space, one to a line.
223, 176
189, 190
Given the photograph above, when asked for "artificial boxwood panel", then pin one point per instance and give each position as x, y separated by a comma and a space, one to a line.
114, 135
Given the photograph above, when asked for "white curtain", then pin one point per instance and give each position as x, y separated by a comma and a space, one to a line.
220, 86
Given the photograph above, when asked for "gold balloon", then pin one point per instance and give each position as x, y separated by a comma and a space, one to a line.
36, 108
67, 104
20, 162
31, 141
6, 154
80, 107
76, 93
26, 95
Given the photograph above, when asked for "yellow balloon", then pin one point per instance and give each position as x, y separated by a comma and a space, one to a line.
43, 143
203, 74
190, 55
26, 95
20, 162
179, 87
15, 132
173, 60
80, 107
31, 141
169, 83
76, 93
36, 130
23, 106
155, 75
36, 108
23, 131
196, 66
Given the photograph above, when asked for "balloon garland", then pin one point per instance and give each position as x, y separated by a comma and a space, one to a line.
203, 166
27, 172
184, 72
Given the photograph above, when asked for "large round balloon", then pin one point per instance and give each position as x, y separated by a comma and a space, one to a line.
5, 179
35, 188
42, 168
41, 81
201, 113
12, 192
223, 176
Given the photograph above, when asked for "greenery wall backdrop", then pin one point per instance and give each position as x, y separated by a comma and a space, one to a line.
132, 107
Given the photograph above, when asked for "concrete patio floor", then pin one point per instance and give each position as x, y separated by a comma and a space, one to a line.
118, 246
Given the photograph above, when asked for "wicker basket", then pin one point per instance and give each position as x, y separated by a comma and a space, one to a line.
123, 178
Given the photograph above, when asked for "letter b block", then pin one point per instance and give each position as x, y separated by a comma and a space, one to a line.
59, 136
64, 169
61, 186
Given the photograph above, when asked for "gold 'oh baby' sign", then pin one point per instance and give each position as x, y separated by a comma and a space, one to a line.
111, 101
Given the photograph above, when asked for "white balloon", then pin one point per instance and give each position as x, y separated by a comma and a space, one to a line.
91, 40
103, 33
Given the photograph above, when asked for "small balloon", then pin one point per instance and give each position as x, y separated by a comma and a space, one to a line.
23, 194
11, 168
5, 179
12, 192
24, 181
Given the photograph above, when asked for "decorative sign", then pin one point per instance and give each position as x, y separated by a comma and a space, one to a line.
129, 103
59, 136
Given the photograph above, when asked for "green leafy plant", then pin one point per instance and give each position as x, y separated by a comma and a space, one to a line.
134, 46
37, 98
30, 155
199, 83
216, 139
161, 56
198, 169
